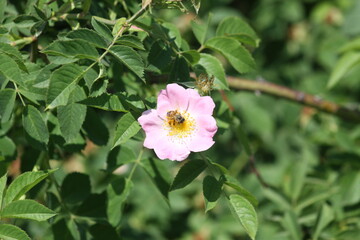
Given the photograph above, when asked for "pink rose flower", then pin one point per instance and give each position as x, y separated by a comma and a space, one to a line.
181, 123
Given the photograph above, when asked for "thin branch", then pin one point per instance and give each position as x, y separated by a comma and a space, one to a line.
316, 102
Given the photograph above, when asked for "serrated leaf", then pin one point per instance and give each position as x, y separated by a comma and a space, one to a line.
234, 52
212, 191
200, 30
191, 56
345, 63
88, 35
212, 66
233, 183
7, 102
102, 29
74, 48
130, 58
10, 69
62, 83
11, 232
131, 41
14, 54
237, 28
187, 173
173, 33
27, 209
35, 125
3, 180
72, 116
24, 183
107, 102
126, 128
245, 213
117, 191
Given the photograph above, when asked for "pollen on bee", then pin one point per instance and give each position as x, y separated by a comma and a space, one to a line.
179, 124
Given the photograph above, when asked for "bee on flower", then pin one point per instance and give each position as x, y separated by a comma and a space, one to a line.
181, 123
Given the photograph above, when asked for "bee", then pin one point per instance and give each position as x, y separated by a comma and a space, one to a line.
174, 117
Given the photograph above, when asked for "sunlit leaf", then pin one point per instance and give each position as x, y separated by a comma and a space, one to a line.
10, 69
245, 213
11, 232
35, 125
27, 209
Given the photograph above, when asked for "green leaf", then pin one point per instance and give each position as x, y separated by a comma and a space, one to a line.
117, 191
126, 128
2, 9
118, 25
200, 30
353, 45
11, 232
291, 224
102, 29
173, 33
7, 102
187, 173
343, 66
75, 193
191, 56
234, 52
72, 116
245, 213
62, 83
131, 41
90, 36
212, 66
27, 209
14, 54
3, 180
10, 69
103, 231
237, 28
159, 175
212, 191
98, 135
180, 70
107, 102
35, 125
7, 148
23, 183
233, 183
325, 216
130, 58
74, 48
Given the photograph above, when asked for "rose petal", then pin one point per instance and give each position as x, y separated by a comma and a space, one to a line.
201, 105
174, 97
172, 151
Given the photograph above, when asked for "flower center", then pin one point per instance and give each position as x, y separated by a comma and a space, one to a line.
179, 124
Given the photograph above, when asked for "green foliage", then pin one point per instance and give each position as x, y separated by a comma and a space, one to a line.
76, 75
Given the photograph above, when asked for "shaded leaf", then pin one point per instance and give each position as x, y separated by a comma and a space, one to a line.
76, 48
130, 58
75, 193
35, 125
23, 183
102, 29
10, 69
291, 224
131, 41
212, 191
27, 209
245, 213
324, 217
100, 134
88, 35
11, 232
126, 128
14, 54
62, 83
187, 173
3, 180
7, 102
200, 30
191, 56
107, 102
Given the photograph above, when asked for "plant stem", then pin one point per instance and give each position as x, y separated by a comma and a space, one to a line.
17, 91
295, 96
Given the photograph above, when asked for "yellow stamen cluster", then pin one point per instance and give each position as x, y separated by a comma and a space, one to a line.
179, 124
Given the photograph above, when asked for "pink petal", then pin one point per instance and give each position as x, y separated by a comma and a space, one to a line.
152, 125
207, 128
172, 151
174, 97
201, 105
